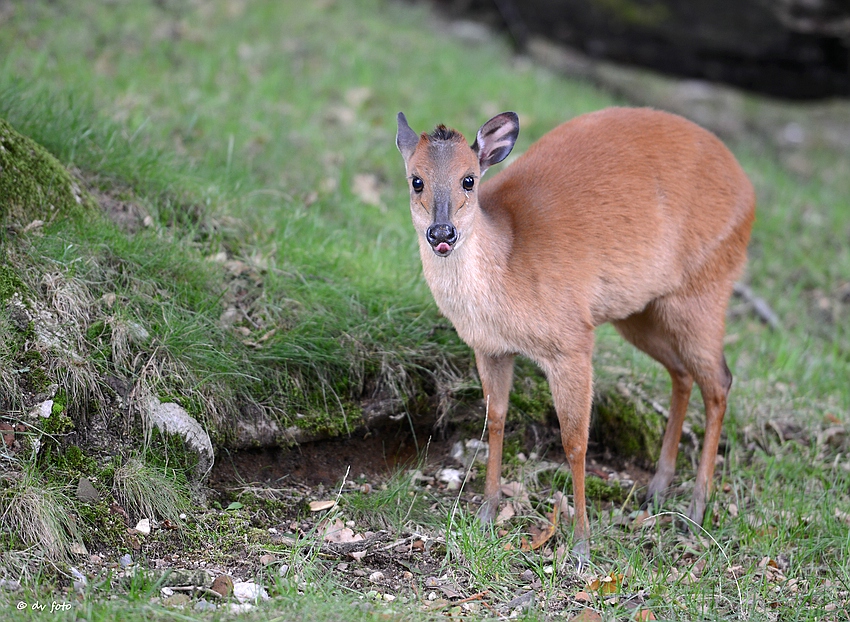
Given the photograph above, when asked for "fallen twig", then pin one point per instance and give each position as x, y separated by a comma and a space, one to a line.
759, 305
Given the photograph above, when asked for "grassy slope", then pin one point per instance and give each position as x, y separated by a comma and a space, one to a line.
262, 115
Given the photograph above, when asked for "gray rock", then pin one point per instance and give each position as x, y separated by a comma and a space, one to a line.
10, 585
172, 418
204, 605
86, 492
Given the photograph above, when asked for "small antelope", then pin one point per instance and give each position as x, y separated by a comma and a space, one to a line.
631, 216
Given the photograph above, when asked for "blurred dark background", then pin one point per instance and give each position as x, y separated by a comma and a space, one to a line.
795, 49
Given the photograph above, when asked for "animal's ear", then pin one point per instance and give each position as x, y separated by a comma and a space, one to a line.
495, 139
405, 139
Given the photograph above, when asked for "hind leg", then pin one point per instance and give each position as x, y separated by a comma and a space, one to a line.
692, 323
645, 331
696, 322
714, 381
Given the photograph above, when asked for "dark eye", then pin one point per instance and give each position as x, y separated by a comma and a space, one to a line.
468, 183
417, 184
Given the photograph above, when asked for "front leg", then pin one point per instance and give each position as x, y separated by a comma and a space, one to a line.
496, 374
571, 381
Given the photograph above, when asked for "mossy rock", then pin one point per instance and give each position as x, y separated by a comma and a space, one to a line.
627, 428
33, 184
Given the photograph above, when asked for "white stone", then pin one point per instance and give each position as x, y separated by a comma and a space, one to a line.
245, 591
45, 409
451, 477
172, 418
144, 526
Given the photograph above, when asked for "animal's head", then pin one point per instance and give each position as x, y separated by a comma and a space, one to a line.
444, 171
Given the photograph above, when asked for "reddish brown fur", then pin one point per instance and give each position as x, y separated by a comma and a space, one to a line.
630, 216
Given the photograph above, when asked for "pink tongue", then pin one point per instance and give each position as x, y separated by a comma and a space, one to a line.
442, 247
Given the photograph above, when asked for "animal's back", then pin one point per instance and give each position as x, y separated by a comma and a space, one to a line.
622, 206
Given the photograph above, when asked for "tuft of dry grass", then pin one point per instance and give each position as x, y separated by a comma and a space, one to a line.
39, 513
148, 492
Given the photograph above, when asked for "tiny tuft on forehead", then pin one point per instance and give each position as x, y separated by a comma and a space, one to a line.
441, 132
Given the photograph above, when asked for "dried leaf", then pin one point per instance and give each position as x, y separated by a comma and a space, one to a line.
834, 436
645, 614
566, 510
357, 96
644, 519
506, 513
318, 506
587, 615
367, 188
609, 584
450, 591
539, 536
515, 490
338, 533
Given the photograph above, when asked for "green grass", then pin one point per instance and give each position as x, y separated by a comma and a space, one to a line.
243, 130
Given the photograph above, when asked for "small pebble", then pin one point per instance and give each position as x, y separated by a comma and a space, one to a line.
78, 548
125, 560
10, 585
376, 576
204, 605
144, 526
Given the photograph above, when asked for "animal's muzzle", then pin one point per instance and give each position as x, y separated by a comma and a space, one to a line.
443, 233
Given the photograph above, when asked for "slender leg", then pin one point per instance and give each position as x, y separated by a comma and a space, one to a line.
496, 378
715, 390
694, 327
571, 381
682, 385
649, 332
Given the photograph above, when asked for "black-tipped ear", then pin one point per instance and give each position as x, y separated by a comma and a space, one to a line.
495, 139
405, 139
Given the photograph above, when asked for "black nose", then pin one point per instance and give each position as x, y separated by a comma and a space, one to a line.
444, 232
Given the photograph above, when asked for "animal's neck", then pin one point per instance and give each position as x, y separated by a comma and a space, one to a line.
472, 278
483, 254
